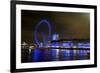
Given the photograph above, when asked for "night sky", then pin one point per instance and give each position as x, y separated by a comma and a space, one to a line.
69, 25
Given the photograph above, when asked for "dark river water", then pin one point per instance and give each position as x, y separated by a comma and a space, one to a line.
43, 55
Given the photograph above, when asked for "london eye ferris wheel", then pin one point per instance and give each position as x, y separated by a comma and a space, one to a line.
42, 33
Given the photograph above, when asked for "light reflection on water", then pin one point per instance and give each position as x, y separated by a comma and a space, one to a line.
42, 55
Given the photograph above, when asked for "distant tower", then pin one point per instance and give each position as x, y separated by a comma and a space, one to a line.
55, 36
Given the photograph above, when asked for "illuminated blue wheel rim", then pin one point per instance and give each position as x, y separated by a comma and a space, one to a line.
43, 35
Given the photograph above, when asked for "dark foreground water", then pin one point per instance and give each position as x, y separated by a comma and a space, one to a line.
44, 55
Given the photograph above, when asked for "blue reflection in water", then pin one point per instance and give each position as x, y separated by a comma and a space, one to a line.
64, 54
53, 54
71, 54
81, 52
45, 55
35, 55
40, 55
